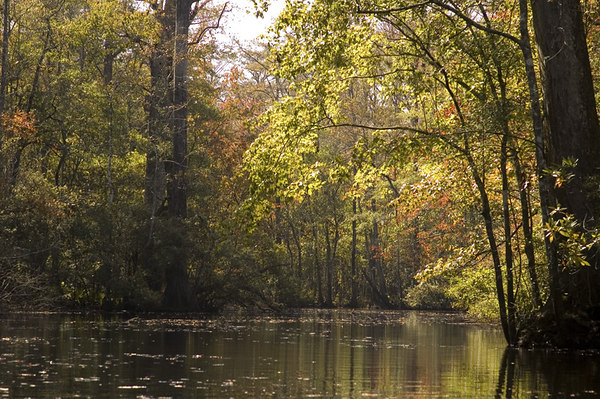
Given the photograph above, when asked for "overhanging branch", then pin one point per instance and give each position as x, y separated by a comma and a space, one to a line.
217, 25
454, 10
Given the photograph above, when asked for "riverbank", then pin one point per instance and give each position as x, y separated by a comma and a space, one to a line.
575, 331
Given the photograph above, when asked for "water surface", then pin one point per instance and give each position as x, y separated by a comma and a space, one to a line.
311, 354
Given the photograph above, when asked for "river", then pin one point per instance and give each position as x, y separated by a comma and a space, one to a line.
309, 354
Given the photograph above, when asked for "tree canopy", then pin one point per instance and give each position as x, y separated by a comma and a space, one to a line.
389, 153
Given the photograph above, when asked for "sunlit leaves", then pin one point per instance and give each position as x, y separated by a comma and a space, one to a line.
574, 243
279, 160
19, 125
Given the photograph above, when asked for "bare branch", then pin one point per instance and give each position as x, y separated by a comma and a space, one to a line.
473, 23
391, 10
454, 10
392, 186
201, 34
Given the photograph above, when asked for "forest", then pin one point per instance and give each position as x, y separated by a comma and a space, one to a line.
434, 154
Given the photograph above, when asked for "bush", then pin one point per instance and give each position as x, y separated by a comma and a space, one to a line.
474, 290
428, 295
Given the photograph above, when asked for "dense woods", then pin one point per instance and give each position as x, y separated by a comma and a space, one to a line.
366, 153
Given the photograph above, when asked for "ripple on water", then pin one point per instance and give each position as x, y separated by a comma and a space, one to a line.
128, 387
313, 354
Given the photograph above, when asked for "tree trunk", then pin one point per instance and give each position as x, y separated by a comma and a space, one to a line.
329, 267
319, 282
278, 232
167, 111
545, 183
489, 229
375, 276
572, 123
502, 105
176, 188
569, 102
508, 253
376, 256
507, 145
108, 77
353, 266
177, 289
4, 56
527, 230
158, 108
298, 243
4, 66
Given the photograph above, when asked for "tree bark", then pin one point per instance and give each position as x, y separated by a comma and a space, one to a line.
569, 102
545, 183
177, 288
572, 123
167, 124
159, 104
176, 189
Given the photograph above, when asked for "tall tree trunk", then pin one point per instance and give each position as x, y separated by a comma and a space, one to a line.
376, 256
4, 56
374, 275
545, 182
572, 123
177, 191
108, 77
353, 265
508, 252
298, 243
569, 102
329, 267
4, 66
177, 280
489, 230
159, 104
167, 123
319, 282
157, 107
486, 211
507, 146
278, 229
502, 106
527, 230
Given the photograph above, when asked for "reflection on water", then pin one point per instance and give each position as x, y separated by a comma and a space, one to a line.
330, 354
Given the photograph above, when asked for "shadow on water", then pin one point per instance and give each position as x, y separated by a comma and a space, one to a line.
506, 375
548, 373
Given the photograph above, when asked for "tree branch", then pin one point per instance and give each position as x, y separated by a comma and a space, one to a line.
444, 6
391, 10
207, 28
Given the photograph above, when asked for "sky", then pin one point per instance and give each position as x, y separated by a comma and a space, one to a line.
241, 24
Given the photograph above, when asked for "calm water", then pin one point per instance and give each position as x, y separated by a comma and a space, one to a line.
329, 354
